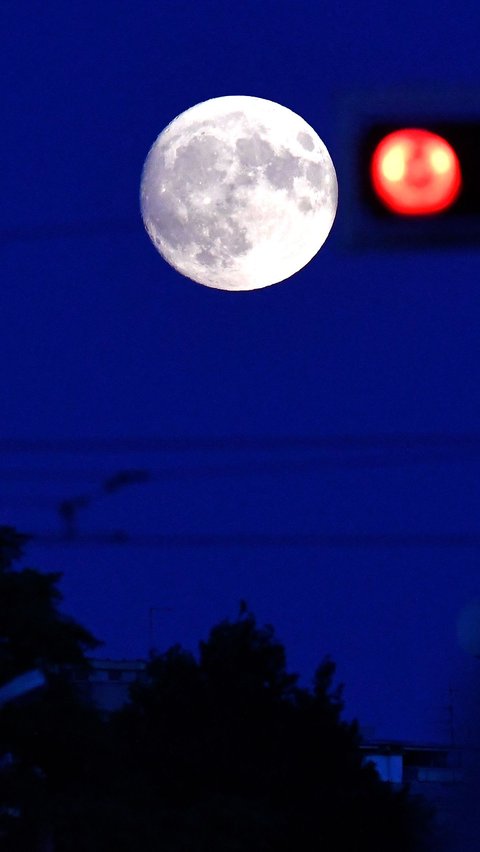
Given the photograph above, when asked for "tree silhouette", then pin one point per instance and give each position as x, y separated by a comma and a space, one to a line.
240, 757
46, 738
219, 752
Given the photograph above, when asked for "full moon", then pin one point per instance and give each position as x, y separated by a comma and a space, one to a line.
238, 193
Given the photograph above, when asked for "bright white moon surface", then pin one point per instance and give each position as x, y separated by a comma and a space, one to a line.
238, 193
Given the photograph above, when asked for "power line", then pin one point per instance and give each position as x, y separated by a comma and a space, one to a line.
65, 230
346, 442
263, 540
308, 465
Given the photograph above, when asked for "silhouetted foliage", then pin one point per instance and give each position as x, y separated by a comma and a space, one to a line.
220, 753
33, 633
46, 738
243, 758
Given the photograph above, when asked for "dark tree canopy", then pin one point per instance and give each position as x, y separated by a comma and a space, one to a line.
33, 632
220, 752
44, 737
246, 759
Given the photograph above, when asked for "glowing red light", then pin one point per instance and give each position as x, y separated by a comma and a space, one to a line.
415, 172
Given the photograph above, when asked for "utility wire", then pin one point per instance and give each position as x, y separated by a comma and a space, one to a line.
65, 230
305, 465
347, 442
263, 540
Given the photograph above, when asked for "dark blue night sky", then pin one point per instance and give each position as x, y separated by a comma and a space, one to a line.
311, 433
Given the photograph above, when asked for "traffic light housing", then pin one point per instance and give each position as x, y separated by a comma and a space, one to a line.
409, 170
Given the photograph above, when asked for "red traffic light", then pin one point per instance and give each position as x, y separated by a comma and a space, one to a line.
415, 172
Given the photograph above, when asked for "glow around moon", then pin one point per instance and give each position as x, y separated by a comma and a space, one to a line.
238, 193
